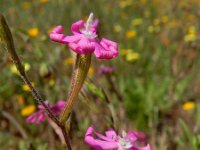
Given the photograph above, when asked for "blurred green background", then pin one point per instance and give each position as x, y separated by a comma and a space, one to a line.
154, 88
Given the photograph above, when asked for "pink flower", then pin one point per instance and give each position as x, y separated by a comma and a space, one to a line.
106, 70
84, 39
114, 142
39, 116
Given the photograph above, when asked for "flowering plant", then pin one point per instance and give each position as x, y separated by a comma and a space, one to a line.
84, 42
113, 141
39, 116
84, 39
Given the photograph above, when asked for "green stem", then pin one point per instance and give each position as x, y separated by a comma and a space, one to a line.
7, 40
82, 65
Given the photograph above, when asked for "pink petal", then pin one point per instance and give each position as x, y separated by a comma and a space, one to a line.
36, 118
56, 34
84, 42
57, 29
40, 107
84, 46
40, 118
109, 46
109, 139
106, 70
111, 134
142, 148
93, 27
73, 38
58, 38
103, 53
58, 107
76, 26
105, 42
95, 23
60, 103
132, 136
139, 135
73, 46
98, 144
31, 118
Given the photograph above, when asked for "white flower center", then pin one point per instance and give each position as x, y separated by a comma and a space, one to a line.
124, 142
89, 22
88, 34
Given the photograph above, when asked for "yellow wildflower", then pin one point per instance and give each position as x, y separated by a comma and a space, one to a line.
192, 30
33, 32
188, 105
26, 111
190, 38
44, 1
132, 56
150, 29
69, 61
129, 54
156, 22
52, 82
131, 34
125, 3
25, 5
14, 70
137, 21
124, 52
91, 71
27, 66
26, 88
191, 35
117, 28
164, 19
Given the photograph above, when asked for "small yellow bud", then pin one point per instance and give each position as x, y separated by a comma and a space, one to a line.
26, 88
188, 105
26, 111
131, 34
33, 32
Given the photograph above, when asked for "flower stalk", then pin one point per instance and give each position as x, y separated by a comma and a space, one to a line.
8, 43
7, 40
82, 65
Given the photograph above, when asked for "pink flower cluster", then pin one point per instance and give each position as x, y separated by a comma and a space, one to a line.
39, 116
103, 70
112, 141
84, 39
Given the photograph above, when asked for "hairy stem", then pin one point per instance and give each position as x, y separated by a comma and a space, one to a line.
81, 68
